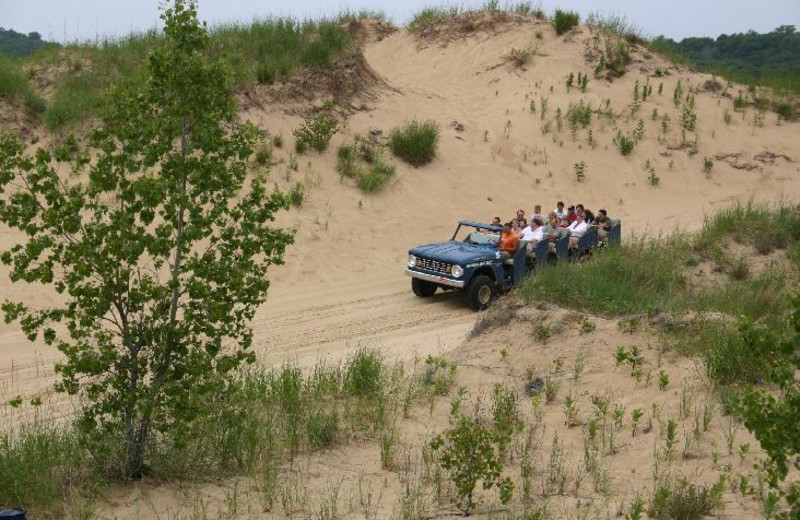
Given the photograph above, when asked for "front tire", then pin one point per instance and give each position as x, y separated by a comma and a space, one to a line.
479, 293
422, 288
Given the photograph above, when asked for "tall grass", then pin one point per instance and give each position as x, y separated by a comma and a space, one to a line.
263, 51
262, 418
563, 21
16, 88
415, 142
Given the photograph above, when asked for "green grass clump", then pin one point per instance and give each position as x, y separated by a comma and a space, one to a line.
416, 142
78, 99
364, 163
15, 87
624, 280
684, 500
563, 21
37, 465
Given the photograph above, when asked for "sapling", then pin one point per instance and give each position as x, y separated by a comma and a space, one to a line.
469, 453
580, 171
636, 415
570, 411
663, 380
570, 80
672, 429
618, 415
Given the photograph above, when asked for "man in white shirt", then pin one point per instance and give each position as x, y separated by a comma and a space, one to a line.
533, 234
561, 213
576, 230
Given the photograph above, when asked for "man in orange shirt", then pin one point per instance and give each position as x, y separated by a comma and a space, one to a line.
509, 242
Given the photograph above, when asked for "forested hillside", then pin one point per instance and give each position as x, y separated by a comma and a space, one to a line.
17, 45
771, 59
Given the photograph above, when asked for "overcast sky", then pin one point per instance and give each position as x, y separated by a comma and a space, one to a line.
69, 20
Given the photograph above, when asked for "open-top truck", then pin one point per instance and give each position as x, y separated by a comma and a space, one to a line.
471, 262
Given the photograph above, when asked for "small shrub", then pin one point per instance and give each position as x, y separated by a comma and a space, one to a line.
580, 171
681, 499
563, 21
317, 130
323, 429
785, 109
624, 143
264, 154
297, 194
416, 142
470, 453
708, 164
689, 119
579, 113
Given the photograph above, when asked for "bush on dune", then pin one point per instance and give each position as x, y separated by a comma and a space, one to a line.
416, 142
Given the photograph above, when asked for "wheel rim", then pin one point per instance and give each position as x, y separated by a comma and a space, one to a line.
484, 295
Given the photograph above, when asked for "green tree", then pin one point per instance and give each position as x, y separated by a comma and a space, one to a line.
772, 415
158, 242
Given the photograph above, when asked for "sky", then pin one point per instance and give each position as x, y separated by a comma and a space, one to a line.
71, 20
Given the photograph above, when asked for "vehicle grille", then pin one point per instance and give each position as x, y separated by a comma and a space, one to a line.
435, 266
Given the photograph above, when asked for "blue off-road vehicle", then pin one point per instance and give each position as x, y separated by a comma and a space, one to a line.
470, 261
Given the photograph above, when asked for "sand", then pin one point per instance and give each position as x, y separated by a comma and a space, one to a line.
343, 283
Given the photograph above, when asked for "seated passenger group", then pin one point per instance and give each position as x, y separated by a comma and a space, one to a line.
573, 221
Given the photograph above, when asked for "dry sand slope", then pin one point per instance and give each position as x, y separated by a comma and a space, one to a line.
343, 283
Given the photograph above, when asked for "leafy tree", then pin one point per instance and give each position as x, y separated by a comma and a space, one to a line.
772, 415
157, 242
18, 45
471, 453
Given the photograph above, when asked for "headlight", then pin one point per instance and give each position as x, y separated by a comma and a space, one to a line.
457, 271
412, 261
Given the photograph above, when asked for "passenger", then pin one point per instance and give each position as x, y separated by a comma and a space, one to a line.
520, 215
508, 243
537, 213
602, 223
579, 207
497, 222
576, 230
559, 211
533, 234
588, 216
515, 227
571, 216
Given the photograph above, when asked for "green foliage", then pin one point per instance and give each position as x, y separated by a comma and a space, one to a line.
297, 194
689, 119
469, 452
580, 170
708, 164
563, 21
770, 59
415, 142
316, 131
363, 374
364, 163
155, 322
579, 113
771, 416
624, 143
679, 498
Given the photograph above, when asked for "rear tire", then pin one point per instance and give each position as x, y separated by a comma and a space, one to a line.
422, 288
479, 293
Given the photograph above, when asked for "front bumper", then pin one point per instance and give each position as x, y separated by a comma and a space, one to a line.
441, 280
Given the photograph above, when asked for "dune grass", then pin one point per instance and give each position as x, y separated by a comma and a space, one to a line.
263, 51
15, 87
415, 142
265, 417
